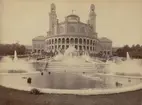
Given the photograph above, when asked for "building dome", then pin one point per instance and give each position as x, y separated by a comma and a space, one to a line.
72, 32
104, 39
72, 15
39, 38
73, 18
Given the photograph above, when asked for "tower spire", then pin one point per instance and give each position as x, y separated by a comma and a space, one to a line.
52, 18
92, 17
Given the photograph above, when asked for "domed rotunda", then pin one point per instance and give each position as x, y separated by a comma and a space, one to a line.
72, 32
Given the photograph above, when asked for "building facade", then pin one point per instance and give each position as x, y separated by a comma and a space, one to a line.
72, 32
38, 44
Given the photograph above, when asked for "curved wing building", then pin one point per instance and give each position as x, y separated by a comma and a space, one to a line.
72, 32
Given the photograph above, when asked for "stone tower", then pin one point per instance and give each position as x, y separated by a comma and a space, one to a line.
92, 18
52, 19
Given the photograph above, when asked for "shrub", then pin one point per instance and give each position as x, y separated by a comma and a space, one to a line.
35, 91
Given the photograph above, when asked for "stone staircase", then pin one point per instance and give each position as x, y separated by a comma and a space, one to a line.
84, 67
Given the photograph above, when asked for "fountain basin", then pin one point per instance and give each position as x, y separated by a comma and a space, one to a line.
80, 85
69, 81
90, 96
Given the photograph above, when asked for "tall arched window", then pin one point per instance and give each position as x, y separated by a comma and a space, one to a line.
90, 41
67, 40
84, 41
71, 40
87, 41
87, 47
55, 41
52, 41
38, 51
59, 40
63, 46
76, 40
71, 29
61, 29
80, 47
80, 41
84, 48
63, 40
91, 48
93, 43
82, 30
76, 47
67, 46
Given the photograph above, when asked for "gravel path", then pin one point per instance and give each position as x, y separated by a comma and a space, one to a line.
15, 97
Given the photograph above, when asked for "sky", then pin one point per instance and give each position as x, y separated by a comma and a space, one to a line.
119, 20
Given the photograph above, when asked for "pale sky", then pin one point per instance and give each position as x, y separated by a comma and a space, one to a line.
119, 20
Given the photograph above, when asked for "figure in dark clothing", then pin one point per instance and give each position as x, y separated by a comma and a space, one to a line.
29, 80
41, 73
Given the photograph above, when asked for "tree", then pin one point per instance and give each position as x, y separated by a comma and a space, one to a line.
135, 51
21, 49
8, 49
138, 47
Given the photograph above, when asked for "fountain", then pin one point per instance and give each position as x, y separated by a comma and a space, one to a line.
14, 66
72, 74
72, 54
71, 62
128, 56
70, 67
127, 67
15, 56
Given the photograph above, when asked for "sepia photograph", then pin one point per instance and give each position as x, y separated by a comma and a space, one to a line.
70, 52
